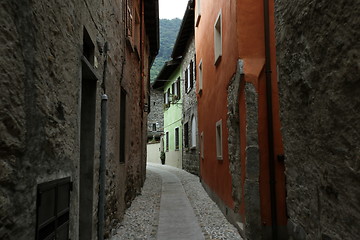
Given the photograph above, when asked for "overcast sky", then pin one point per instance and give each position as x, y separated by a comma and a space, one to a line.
170, 9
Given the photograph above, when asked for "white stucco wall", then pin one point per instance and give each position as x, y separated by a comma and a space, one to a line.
153, 153
173, 158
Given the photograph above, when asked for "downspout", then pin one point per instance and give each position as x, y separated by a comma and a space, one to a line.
101, 206
270, 121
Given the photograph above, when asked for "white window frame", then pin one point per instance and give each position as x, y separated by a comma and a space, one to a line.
218, 38
188, 78
166, 97
219, 149
176, 93
193, 132
198, 12
200, 76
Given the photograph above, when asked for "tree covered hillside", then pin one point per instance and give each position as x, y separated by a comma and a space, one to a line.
168, 33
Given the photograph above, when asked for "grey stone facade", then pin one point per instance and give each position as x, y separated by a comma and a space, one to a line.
191, 153
156, 115
233, 124
53, 74
318, 60
251, 186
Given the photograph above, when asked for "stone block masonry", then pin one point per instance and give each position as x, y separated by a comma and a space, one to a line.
54, 69
189, 111
156, 115
318, 60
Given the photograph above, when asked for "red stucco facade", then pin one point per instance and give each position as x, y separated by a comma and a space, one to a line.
242, 38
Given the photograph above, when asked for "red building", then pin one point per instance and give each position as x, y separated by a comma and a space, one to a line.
241, 157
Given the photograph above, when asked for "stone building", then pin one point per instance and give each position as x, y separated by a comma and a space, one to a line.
156, 115
58, 58
318, 60
184, 48
155, 131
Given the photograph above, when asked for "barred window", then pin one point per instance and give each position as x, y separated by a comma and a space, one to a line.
53, 210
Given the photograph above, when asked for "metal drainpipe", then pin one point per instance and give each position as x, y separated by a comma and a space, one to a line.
270, 121
101, 210
102, 168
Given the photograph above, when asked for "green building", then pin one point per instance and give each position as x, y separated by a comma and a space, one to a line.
169, 81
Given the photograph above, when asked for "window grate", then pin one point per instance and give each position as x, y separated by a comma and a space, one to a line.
53, 210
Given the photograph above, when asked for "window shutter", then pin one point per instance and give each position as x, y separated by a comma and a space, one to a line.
129, 18
178, 88
191, 69
186, 80
186, 135
194, 67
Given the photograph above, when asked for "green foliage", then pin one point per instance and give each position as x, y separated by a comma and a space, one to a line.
168, 33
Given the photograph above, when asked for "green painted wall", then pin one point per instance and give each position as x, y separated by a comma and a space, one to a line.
172, 120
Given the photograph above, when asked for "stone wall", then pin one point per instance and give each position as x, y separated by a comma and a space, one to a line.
190, 154
318, 60
233, 124
156, 115
40, 109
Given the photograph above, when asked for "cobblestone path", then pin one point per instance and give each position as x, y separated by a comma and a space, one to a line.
141, 220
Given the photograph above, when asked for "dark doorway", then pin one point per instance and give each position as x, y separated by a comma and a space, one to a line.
87, 141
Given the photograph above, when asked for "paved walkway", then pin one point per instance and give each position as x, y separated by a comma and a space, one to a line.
173, 206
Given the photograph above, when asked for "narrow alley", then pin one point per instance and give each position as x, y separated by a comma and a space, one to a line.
173, 205
179, 119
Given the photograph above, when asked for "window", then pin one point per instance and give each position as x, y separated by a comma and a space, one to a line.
129, 18
191, 70
167, 142
122, 125
186, 79
198, 12
88, 47
52, 210
177, 138
200, 76
154, 127
202, 145
194, 65
193, 132
186, 135
166, 97
189, 77
173, 89
178, 88
219, 140
218, 38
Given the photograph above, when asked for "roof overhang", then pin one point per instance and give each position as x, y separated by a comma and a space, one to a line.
152, 26
166, 71
186, 31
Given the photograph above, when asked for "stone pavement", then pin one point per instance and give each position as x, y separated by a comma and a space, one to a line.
173, 205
